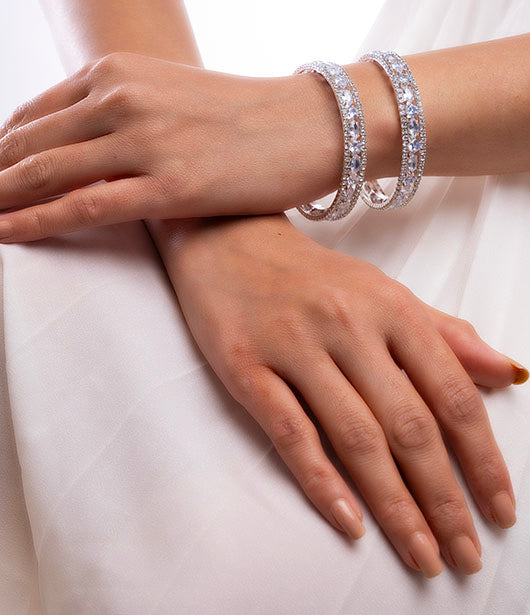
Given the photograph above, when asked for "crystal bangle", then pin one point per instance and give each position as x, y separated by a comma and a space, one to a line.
414, 143
354, 132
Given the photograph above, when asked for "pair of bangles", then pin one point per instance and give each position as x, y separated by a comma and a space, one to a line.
413, 138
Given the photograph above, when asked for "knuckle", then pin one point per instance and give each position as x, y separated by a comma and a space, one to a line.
116, 101
109, 64
12, 148
359, 437
445, 510
463, 401
289, 431
20, 115
335, 304
402, 301
85, 209
410, 427
38, 221
316, 476
395, 508
36, 172
466, 326
241, 369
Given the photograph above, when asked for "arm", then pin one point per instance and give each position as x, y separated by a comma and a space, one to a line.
260, 341
265, 145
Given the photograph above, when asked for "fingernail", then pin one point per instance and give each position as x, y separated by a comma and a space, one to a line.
6, 229
424, 555
343, 514
465, 554
520, 372
503, 509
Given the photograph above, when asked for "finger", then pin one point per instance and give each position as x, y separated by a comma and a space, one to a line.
122, 200
360, 443
62, 169
74, 124
485, 365
417, 445
66, 93
457, 404
274, 406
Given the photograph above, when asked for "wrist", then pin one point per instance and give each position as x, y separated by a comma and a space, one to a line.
381, 116
312, 131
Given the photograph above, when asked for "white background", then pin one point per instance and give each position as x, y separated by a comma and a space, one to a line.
247, 37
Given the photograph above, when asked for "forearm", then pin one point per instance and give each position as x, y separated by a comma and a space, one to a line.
476, 101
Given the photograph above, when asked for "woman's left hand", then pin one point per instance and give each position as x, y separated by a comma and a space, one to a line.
171, 141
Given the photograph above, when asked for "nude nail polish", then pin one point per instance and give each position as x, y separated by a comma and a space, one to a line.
423, 553
465, 554
343, 514
503, 509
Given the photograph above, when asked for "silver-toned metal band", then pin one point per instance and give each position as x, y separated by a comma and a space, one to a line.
354, 142
414, 142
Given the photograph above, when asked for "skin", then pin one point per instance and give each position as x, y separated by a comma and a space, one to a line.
176, 141
266, 305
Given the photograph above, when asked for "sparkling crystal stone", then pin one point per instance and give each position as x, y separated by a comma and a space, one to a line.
356, 163
355, 147
349, 112
377, 198
412, 163
408, 180
415, 145
407, 95
414, 127
412, 109
346, 97
340, 81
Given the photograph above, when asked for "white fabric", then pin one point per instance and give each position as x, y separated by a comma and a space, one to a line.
132, 484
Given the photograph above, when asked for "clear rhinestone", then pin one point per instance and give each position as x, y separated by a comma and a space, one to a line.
411, 109
414, 127
355, 147
415, 145
346, 97
376, 198
349, 112
407, 95
319, 206
412, 163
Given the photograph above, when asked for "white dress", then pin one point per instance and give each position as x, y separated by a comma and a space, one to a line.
131, 482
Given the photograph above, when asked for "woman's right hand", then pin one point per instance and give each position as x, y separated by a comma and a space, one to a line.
271, 309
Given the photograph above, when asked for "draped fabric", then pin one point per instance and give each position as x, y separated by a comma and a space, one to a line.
132, 483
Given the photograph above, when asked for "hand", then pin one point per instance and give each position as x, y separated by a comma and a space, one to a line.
271, 310
171, 140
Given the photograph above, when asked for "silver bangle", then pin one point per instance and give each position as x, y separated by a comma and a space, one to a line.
414, 143
353, 126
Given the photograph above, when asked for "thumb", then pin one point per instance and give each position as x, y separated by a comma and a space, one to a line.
485, 365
